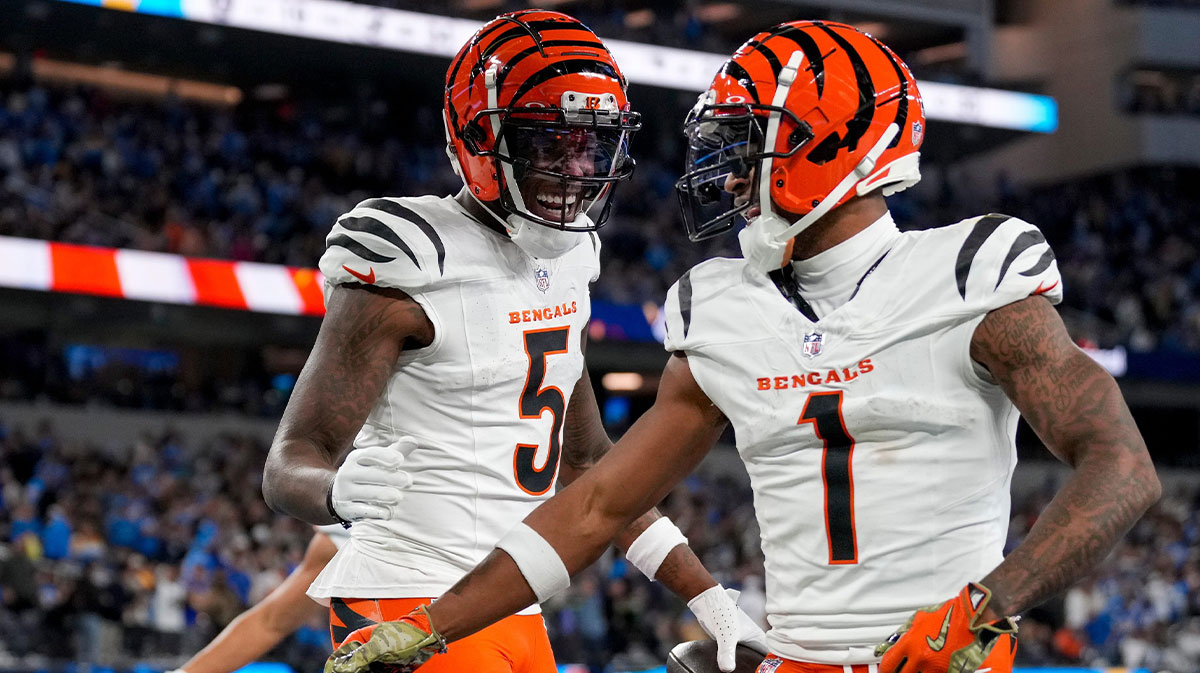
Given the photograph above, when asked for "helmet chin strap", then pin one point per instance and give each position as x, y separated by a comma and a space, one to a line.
510, 181
862, 170
536, 240
521, 228
766, 244
757, 241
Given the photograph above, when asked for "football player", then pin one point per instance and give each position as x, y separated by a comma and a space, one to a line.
254, 632
873, 380
451, 354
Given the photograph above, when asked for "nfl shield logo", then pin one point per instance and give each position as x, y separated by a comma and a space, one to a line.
770, 665
917, 132
543, 279
812, 344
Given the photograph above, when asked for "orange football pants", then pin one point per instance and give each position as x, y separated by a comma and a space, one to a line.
516, 644
776, 664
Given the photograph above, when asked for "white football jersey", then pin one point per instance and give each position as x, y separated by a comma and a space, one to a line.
337, 534
486, 400
879, 453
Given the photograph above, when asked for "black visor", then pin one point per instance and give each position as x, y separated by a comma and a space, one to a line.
560, 166
725, 145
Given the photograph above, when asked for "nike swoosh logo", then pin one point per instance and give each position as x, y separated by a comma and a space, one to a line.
937, 645
368, 278
1043, 290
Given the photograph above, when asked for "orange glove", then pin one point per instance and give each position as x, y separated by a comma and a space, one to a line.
950, 638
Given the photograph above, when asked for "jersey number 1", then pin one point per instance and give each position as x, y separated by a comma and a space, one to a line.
536, 400
824, 411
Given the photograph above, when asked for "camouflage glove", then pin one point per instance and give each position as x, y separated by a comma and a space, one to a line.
949, 638
400, 646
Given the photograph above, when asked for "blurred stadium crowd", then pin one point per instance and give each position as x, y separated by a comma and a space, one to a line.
264, 182
144, 553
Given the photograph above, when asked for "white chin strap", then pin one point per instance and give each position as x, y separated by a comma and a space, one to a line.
493, 97
765, 243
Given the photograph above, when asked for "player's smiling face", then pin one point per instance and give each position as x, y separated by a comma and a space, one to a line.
564, 152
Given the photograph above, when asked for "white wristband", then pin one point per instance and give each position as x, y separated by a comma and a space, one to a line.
651, 547
537, 561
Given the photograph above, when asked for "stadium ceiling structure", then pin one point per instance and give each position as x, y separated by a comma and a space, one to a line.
438, 35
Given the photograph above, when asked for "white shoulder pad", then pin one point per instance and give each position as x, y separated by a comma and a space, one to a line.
595, 245
385, 242
697, 288
677, 312
1002, 260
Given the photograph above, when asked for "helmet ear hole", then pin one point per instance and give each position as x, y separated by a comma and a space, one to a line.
800, 135
473, 136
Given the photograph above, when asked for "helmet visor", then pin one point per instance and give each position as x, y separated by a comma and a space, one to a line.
554, 170
561, 172
725, 149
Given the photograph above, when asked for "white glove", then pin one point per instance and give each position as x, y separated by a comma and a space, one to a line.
718, 614
371, 483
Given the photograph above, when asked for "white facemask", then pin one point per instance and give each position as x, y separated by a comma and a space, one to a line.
545, 242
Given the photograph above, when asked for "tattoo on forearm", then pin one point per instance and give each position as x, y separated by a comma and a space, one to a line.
678, 570
584, 447
585, 440
1077, 410
1074, 534
353, 357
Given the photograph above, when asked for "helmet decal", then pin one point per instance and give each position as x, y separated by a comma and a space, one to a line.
857, 127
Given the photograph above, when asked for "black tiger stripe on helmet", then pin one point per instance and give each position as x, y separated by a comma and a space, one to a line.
847, 91
536, 69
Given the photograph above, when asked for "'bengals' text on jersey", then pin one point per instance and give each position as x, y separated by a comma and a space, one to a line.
880, 454
486, 400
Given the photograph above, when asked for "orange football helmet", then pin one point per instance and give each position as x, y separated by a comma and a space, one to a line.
807, 109
537, 120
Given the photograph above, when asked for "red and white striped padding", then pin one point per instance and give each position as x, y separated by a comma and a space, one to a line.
156, 276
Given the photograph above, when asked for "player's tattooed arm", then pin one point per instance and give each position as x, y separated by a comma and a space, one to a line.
584, 438
1077, 410
585, 441
364, 331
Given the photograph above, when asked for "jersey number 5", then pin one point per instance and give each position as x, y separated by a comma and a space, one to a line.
535, 401
824, 411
